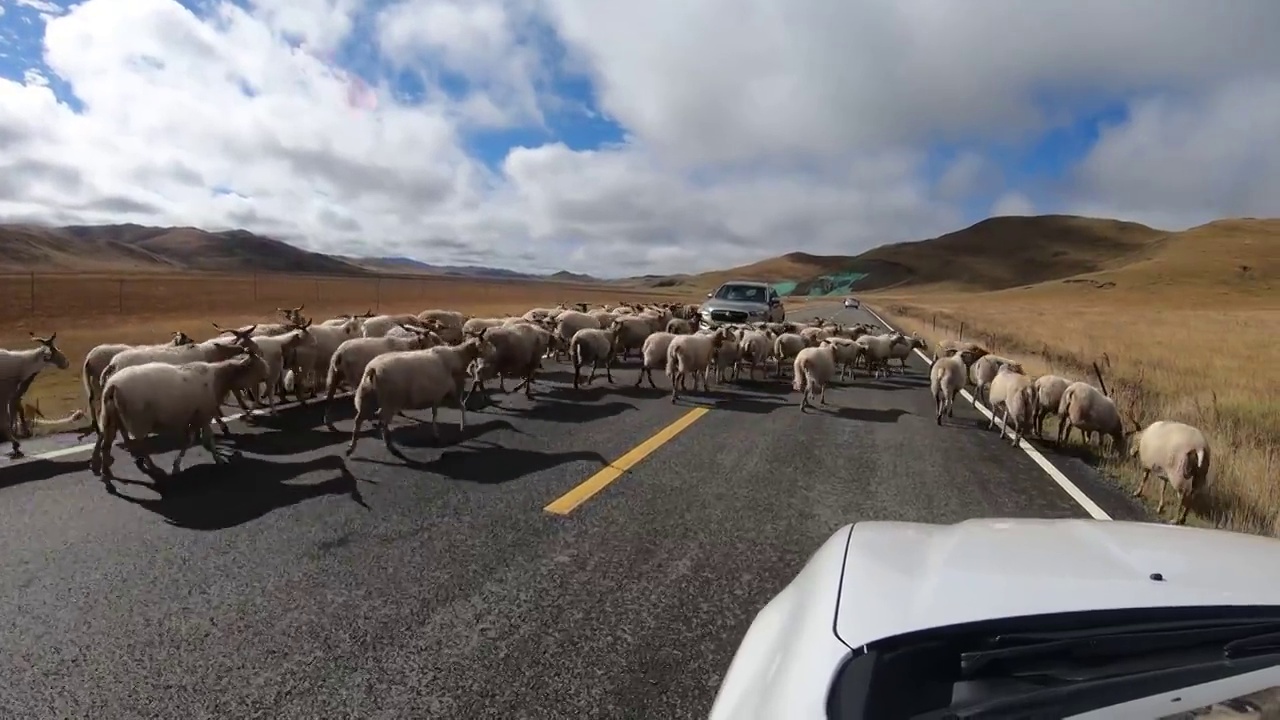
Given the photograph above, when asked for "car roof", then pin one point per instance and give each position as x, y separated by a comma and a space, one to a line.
751, 283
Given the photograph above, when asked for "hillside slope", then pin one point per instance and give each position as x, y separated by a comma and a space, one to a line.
81, 248
993, 254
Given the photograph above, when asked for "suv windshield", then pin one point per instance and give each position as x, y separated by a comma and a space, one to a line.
1053, 665
741, 293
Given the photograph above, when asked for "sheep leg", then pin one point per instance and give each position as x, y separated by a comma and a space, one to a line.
330, 391
1142, 484
193, 430
640, 376
244, 408
608, 372
1160, 504
951, 405
1183, 508
577, 370
462, 409
822, 394
361, 415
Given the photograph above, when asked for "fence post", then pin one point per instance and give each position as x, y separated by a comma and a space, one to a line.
120, 296
33, 293
377, 298
961, 336
255, 286
317, 290
935, 322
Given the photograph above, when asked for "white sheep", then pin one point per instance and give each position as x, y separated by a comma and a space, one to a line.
984, 370
445, 323
1085, 407
653, 355
1012, 396
847, 352
380, 325
1049, 389
902, 350
273, 350
679, 326
787, 346
1178, 454
690, 356
161, 397
878, 349
727, 356
812, 372
569, 323
595, 346
311, 360
354, 355
755, 348
97, 359
517, 352
17, 370
947, 376
413, 380
970, 350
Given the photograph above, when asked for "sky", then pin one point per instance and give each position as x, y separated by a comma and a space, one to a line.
622, 138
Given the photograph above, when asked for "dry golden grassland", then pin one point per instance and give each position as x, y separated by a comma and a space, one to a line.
86, 309
1204, 359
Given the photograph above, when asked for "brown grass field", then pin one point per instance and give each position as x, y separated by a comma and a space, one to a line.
1197, 318
88, 309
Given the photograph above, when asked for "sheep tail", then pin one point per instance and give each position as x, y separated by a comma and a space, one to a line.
366, 395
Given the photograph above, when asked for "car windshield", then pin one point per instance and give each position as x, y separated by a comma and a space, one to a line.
741, 293
1059, 665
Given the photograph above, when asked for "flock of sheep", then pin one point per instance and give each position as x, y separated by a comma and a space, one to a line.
393, 363
1175, 451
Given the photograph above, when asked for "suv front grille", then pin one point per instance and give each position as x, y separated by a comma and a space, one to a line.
728, 316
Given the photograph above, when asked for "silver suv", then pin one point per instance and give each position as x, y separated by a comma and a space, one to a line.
741, 301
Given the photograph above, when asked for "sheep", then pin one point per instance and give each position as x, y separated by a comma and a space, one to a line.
846, 352
344, 319
311, 360
1012, 393
632, 331
690, 355
679, 326
902, 350
569, 323
517, 351
787, 346
1178, 454
354, 355
595, 346
17, 369
984, 370
947, 377
97, 359
972, 350
445, 323
413, 380
169, 398
878, 349
812, 372
1049, 389
273, 351
1085, 407
31, 417
727, 356
653, 354
380, 325
755, 347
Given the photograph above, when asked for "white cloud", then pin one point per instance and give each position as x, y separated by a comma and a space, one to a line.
1012, 203
752, 128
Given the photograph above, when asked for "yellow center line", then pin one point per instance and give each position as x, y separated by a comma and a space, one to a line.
566, 503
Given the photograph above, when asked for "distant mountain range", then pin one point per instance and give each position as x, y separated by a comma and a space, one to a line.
141, 248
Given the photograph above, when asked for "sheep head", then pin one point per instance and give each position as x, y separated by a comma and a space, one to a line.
181, 338
50, 353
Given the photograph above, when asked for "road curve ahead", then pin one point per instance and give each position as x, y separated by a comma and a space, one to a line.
537, 565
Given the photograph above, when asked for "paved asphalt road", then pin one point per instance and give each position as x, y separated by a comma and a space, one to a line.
297, 585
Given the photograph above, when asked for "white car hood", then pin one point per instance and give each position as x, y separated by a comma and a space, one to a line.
900, 577
874, 580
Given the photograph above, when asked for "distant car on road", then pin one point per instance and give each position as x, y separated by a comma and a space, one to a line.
1015, 618
741, 301
851, 302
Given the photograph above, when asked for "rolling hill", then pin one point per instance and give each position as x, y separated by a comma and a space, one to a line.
995, 253
140, 248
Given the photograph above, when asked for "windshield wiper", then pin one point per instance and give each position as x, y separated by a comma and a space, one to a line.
1021, 654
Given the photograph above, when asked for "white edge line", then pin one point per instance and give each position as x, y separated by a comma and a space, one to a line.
63, 452
1071, 488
